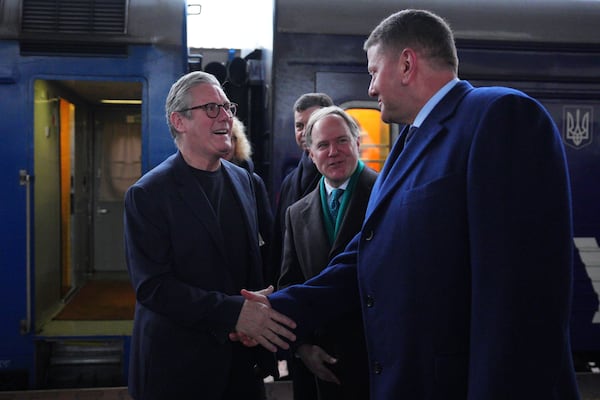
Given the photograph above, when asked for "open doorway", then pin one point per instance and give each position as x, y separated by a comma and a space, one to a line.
87, 152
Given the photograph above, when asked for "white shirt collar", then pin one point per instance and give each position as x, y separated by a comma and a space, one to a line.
330, 188
433, 101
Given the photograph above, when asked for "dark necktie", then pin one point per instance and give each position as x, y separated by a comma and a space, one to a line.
334, 202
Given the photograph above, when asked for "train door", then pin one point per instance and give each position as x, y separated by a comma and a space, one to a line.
54, 165
117, 164
86, 154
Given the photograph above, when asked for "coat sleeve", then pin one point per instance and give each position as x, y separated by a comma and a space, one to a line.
324, 297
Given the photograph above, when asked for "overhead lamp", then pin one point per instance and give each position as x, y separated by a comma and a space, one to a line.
120, 101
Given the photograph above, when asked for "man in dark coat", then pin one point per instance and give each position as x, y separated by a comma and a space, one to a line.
335, 353
301, 180
297, 184
192, 243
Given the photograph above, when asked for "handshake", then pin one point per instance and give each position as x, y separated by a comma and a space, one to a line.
258, 323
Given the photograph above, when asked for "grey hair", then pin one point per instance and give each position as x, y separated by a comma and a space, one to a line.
326, 111
421, 30
179, 96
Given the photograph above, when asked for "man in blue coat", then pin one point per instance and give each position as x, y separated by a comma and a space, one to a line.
192, 243
463, 264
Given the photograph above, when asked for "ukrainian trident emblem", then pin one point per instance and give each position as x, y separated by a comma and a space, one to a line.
578, 122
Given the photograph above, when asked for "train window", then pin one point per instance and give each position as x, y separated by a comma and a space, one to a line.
376, 138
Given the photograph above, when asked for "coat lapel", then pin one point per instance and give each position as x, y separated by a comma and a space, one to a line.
195, 198
312, 217
244, 194
193, 195
400, 167
351, 224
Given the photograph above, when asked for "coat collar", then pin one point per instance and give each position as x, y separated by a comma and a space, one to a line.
194, 196
310, 210
432, 127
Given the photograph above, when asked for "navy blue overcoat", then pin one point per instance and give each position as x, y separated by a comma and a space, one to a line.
463, 264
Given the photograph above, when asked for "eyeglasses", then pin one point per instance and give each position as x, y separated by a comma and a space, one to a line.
212, 109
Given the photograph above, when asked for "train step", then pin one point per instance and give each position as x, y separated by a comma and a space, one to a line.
69, 363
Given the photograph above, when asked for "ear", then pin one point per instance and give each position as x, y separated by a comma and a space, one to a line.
407, 64
311, 155
177, 121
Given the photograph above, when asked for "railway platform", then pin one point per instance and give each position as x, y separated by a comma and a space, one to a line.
589, 385
280, 390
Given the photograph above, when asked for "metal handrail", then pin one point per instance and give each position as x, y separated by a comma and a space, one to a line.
25, 180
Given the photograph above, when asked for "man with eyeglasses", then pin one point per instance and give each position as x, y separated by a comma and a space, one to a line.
192, 244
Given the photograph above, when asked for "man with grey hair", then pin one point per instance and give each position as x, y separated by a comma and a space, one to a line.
191, 245
296, 184
318, 227
301, 180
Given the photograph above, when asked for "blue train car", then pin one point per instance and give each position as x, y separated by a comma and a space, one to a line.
82, 90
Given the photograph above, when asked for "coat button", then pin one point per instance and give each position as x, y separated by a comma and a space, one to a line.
370, 301
377, 368
368, 235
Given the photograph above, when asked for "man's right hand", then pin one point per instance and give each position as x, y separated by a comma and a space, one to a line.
258, 323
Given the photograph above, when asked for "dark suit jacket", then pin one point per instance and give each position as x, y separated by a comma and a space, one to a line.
306, 252
464, 260
181, 275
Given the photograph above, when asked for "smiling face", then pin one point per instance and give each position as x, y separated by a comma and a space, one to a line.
203, 140
333, 149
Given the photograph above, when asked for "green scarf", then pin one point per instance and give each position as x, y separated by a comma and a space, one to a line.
332, 227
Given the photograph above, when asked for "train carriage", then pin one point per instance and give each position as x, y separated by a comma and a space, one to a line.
82, 89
